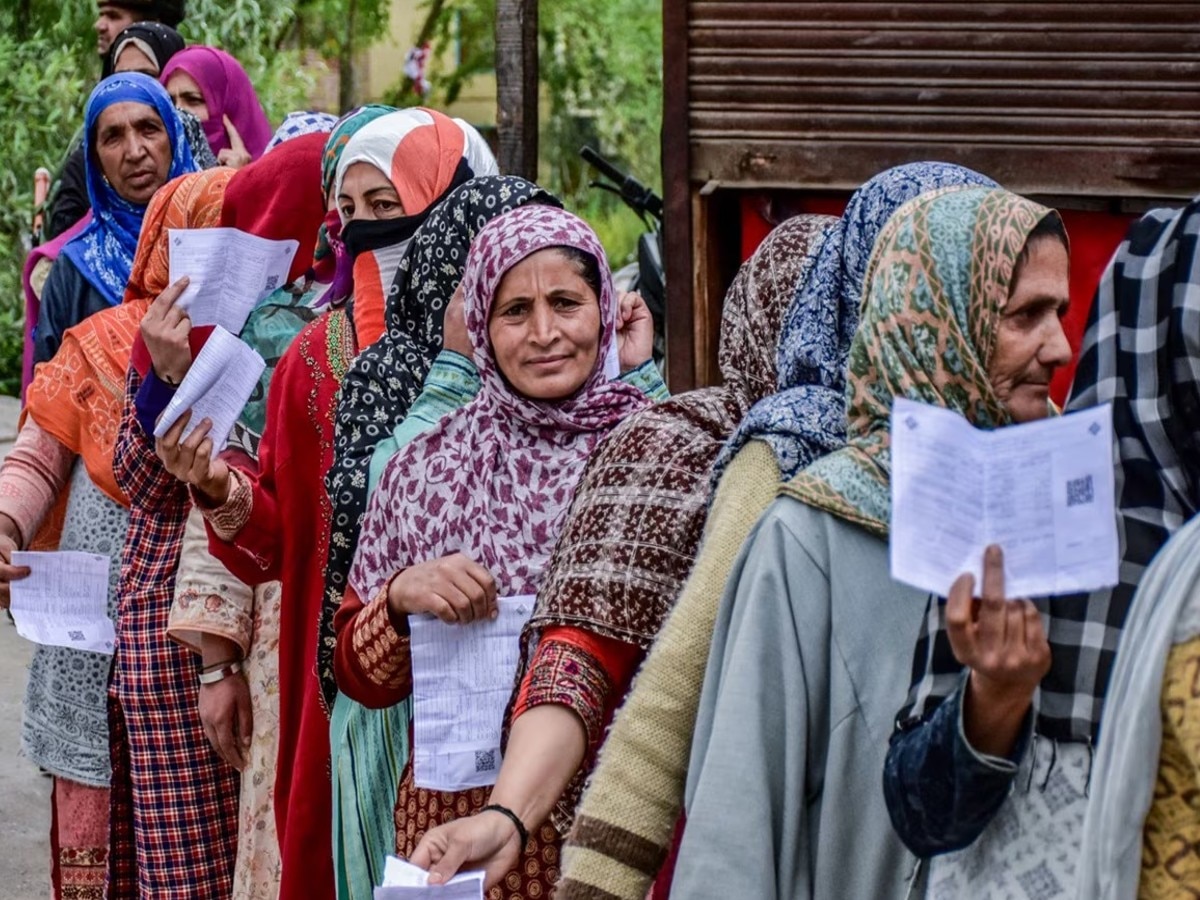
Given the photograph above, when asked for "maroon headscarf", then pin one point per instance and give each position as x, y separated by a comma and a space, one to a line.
494, 479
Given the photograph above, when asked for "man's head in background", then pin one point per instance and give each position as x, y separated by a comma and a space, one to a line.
117, 15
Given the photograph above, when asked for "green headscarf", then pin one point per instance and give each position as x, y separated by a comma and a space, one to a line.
938, 280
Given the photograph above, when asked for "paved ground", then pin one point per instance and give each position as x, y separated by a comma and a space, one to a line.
24, 792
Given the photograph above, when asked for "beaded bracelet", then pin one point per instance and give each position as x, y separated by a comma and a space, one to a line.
522, 832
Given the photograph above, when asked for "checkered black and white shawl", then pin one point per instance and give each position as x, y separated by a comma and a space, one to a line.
1142, 354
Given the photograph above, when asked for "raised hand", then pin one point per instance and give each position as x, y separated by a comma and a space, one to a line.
1004, 645
454, 329
235, 155
165, 329
635, 331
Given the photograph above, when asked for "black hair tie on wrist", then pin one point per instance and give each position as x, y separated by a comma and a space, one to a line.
522, 831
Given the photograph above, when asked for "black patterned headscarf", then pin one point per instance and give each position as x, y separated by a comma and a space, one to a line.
387, 377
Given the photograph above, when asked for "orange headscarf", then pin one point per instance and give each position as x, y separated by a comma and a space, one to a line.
78, 395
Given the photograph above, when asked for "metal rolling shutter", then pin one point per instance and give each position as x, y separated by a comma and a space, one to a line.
1074, 98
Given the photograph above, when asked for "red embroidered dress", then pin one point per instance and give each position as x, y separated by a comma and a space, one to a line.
275, 526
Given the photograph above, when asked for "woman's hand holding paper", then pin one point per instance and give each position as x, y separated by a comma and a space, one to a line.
1004, 645
165, 329
454, 588
192, 460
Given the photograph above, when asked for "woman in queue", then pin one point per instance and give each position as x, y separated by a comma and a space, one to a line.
390, 171
543, 319
637, 789
212, 86
1008, 727
811, 641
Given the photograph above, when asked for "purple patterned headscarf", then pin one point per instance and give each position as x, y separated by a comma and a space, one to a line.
494, 479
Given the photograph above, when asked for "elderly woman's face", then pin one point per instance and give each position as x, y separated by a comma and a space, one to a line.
133, 149
545, 326
1030, 342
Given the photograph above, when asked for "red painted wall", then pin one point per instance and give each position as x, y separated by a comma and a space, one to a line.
1094, 239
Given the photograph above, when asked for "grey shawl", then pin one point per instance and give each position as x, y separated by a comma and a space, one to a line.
1165, 612
810, 659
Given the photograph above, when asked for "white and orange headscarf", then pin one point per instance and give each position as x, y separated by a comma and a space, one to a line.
425, 154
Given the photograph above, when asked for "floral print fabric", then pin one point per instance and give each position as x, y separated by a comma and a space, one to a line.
387, 376
494, 479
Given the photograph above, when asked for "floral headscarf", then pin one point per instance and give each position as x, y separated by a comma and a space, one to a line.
937, 282
387, 377
495, 478
103, 251
807, 418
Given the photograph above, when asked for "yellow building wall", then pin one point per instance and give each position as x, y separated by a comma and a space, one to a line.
382, 67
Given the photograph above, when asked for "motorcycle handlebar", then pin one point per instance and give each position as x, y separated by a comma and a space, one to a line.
632, 191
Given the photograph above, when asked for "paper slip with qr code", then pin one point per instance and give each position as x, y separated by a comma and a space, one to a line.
1042, 490
64, 601
462, 681
221, 380
404, 881
229, 272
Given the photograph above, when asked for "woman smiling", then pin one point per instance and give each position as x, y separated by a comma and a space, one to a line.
471, 510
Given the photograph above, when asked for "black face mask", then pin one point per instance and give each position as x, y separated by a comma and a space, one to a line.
362, 235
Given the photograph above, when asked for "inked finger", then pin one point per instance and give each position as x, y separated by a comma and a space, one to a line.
166, 300
993, 573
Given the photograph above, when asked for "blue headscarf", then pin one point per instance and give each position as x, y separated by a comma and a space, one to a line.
103, 251
806, 419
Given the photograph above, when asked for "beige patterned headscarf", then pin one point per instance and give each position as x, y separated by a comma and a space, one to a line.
938, 280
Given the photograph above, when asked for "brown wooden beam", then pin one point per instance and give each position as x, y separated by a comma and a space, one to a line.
677, 224
517, 86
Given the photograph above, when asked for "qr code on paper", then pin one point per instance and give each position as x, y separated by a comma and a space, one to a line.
1080, 491
75, 635
272, 282
485, 760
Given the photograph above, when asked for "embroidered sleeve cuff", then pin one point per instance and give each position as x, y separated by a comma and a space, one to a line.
196, 612
571, 677
228, 519
378, 649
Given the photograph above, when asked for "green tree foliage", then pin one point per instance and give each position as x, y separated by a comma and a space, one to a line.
600, 66
48, 64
